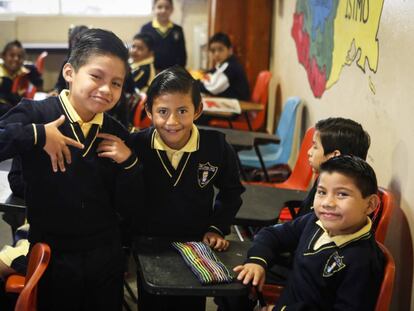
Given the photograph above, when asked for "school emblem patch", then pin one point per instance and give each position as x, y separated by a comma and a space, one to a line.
334, 264
206, 173
176, 35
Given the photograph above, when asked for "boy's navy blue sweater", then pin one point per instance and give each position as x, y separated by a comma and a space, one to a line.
76, 209
181, 202
346, 277
169, 47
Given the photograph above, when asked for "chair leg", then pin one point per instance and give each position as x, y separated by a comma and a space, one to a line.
130, 292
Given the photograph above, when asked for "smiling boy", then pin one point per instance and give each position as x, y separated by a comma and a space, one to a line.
73, 206
337, 264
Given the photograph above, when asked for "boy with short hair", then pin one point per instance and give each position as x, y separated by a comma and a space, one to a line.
338, 264
73, 206
142, 61
181, 167
227, 78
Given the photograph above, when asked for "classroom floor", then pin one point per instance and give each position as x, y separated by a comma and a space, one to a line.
6, 238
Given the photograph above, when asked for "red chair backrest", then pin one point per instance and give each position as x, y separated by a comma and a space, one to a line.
137, 121
261, 95
387, 286
382, 215
301, 174
40, 62
38, 261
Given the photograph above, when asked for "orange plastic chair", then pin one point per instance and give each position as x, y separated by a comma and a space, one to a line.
22, 86
260, 95
27, 286
138, 122
382, 215
387, 286
40, 62
271, 292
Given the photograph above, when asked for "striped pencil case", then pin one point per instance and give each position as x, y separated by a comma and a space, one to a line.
203, 262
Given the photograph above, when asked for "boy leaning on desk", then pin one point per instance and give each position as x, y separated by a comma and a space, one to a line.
337, 263
181, 166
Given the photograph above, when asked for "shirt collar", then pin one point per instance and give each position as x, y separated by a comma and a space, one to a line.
190, 146
5, 73
340, 240
145, 61
73, 115
158, 26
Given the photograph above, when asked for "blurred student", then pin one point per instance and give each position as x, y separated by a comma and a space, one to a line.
169, 42
337, 264
142, 61
227, 78
74, 204
14, 76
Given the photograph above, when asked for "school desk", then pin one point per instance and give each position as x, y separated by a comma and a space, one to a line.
164, 271
245, 106
8, 201
245, 140
262, 205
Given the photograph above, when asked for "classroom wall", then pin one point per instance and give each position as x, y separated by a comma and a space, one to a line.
54, 29
386, 115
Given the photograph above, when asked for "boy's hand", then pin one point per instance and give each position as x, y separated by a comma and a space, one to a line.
215, 241
251, 272
113, 147
57, 145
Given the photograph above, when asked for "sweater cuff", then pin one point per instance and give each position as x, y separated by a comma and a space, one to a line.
39, 134
216, 230
130, 162
257, 260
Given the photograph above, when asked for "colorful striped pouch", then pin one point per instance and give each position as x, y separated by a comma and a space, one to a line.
203, 262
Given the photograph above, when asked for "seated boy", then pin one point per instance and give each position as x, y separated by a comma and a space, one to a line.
73, 206
338, 264
181, 167
227, 78
142, 61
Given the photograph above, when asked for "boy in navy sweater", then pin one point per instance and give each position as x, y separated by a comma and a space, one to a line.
181, 167
338, 264
72, 207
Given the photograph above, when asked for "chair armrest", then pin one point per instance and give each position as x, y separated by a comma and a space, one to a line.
15, 283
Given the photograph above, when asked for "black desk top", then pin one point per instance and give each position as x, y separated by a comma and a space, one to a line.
262, 205
165, 273
244, 139
9, 202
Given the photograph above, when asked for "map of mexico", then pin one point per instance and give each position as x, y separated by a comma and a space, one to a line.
330, 34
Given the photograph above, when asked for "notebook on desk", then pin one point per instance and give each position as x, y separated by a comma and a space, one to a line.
221, 104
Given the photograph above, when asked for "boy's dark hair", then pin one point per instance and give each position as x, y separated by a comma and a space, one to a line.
155, 2
9, 45
220, 37
97, 42
344, 135
173, 80
75, 33
147, 39
356, 168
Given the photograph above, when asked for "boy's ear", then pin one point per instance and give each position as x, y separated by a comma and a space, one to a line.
373, 203
334, 153
199, 111
68, 72
149, 114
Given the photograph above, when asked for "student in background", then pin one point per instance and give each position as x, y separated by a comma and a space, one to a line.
338, 264
181, 167
74, 207
227, 78
169, 42
142, 61
13, 69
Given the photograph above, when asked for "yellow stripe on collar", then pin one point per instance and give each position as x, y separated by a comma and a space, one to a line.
161, 28
146, 61
340, 240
